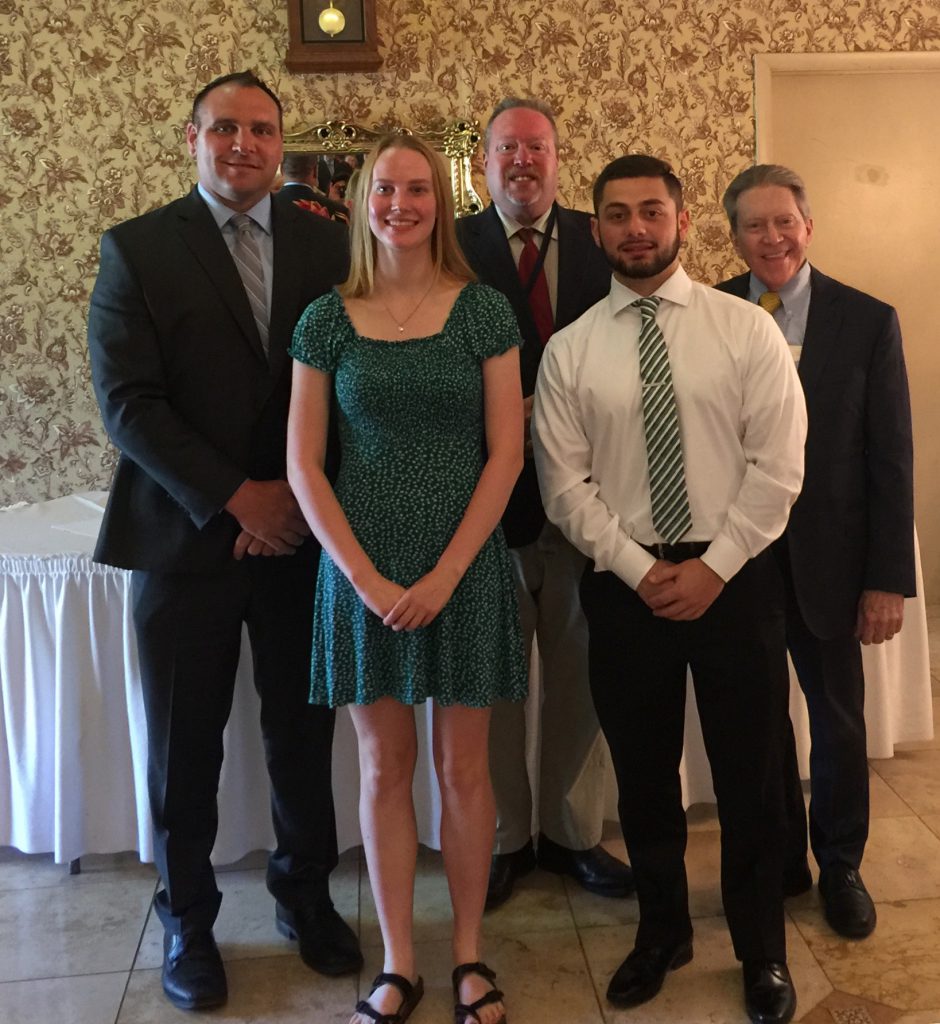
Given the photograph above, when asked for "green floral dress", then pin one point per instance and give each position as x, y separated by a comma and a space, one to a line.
411, 433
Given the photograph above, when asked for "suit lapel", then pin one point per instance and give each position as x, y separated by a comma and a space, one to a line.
201, 234
823, 323
573, 260
737, 285
288, 276
494, 253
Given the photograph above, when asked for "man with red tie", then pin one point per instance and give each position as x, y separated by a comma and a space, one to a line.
543, 258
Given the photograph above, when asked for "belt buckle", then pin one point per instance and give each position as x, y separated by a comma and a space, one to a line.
660, 550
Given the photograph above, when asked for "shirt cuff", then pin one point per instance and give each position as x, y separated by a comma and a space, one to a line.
724, 557
632, 563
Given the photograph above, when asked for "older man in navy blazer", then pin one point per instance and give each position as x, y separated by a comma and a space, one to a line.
189, 360
543, 258
848, 551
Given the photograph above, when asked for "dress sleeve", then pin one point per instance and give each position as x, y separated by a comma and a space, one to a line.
495, 329
316, 336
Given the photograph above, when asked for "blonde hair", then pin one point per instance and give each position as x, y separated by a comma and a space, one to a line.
446, 254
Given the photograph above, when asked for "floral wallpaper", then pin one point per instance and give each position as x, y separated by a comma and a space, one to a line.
94, 95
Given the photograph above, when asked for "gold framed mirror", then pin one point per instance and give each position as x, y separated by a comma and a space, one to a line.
457, 141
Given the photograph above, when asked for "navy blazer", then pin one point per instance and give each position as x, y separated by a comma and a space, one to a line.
185, 389
583, 280
852, 527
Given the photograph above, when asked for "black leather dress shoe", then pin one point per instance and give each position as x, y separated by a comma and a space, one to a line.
327, 944
848, 907
505, 868
594, 869
769, 996
641, 975
797, 879
193, 975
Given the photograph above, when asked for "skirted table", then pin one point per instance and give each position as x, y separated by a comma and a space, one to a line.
73, 747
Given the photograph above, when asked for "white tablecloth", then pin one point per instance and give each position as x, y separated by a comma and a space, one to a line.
73, 738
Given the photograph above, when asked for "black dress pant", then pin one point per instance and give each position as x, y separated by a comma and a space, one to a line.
833, 683
638, 668
189, 628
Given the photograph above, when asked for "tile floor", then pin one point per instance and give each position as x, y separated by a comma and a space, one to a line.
86, 949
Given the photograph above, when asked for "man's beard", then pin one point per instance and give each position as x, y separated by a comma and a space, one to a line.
657, 262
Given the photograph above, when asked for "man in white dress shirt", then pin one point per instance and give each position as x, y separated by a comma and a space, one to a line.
682, 581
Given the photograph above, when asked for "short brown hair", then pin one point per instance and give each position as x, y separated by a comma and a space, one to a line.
246, 79
638, 165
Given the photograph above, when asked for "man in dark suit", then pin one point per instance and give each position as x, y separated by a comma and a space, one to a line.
188, 333
848, 551
543, 258
300, 174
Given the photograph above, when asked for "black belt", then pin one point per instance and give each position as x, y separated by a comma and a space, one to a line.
680, 552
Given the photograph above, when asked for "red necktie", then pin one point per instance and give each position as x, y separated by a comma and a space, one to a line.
539, 300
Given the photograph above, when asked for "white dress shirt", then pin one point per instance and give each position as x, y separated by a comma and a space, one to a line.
741, 416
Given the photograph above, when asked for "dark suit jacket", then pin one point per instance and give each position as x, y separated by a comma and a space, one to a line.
583, 279
852, 527
291, 191
184, 387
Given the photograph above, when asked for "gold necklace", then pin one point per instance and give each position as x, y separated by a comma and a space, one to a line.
400, 324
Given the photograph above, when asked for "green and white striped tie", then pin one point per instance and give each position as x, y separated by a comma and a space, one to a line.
671, 514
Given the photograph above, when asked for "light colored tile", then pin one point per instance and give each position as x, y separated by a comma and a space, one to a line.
703, 869
589, 910
898, 965
93, 999
932, 821
39, 870
902, 860
278, 990
245, 926
538, 903
709, 989
885, 803
915, 776
841, 1008
702, 817
920, 1017
86, 929
257, 860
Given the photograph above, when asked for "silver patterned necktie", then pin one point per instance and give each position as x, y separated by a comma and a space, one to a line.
247, 258
670, 501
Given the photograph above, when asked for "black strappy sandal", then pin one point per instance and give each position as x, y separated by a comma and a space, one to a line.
411, 996
465, 1013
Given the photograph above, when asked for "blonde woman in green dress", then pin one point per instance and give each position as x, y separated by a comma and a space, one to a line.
414, 597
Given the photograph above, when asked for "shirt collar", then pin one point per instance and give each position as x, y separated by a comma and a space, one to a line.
676, 288
260, 213
511, 226
793, 290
